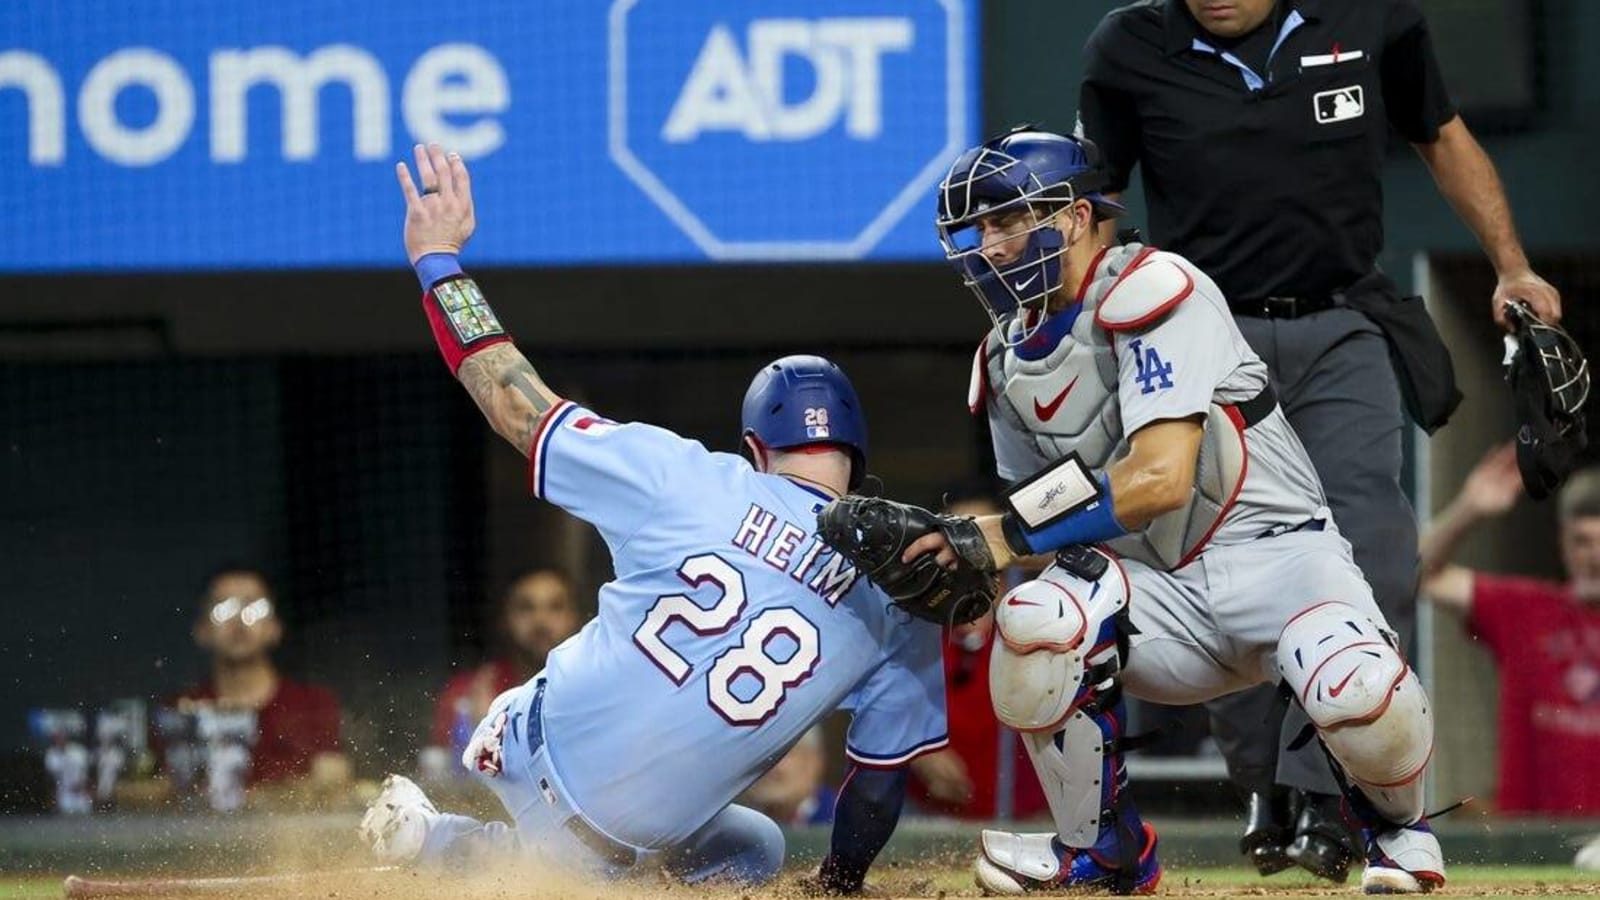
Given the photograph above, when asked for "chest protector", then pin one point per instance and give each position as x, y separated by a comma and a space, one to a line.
1066, 400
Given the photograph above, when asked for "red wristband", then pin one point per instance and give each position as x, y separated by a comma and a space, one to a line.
461, 319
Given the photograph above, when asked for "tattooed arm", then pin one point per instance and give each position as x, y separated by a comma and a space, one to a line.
510, 393
439, 220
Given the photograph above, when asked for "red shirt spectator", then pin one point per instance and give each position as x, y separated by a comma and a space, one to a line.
975, 734
964, 778
299, 722
1547, 646
537, 611
466, 697
295, 723
1545, 637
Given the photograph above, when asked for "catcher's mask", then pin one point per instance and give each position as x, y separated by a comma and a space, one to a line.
1549, 379
806, 400
1027, 170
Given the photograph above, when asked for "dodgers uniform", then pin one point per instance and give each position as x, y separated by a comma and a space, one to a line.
1246, 580
729, 630
1214, 583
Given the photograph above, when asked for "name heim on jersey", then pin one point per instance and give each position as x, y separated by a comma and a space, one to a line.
819, 567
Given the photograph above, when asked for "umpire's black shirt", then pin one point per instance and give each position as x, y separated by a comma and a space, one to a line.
1268, 180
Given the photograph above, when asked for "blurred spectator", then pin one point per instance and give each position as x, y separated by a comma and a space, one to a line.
1545, 637
296, 725
793, 791
68, 764
537, 611
964, 778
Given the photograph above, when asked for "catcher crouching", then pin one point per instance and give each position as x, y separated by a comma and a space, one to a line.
1196, 555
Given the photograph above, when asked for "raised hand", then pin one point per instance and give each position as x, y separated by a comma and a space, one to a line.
1494, 485
439, 218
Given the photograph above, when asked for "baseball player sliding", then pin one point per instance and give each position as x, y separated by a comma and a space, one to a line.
729, 630
1141, 425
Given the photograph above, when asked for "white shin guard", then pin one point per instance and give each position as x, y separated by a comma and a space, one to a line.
1365, 701
1070, 773
1053, 668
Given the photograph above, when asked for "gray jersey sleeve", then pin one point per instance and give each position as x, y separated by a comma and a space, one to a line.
1173, 368
1016, 453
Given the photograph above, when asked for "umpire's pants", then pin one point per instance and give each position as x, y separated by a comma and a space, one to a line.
1339, 390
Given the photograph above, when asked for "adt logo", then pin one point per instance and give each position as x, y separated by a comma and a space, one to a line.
787, 128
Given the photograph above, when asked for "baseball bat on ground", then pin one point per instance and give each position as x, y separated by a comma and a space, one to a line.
76, 888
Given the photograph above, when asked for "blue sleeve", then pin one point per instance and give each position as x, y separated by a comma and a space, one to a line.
899, 709
609, 474
863, 821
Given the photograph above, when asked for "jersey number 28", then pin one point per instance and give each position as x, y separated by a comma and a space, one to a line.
752, 659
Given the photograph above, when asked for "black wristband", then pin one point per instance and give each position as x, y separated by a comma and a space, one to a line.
1011, 527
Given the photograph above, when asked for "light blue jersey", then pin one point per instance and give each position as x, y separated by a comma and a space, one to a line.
730, 630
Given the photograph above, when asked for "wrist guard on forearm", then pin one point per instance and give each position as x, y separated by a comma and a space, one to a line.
1064, 504
461, 319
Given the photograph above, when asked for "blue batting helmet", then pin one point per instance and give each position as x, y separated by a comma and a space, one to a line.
799, 400
1030, 171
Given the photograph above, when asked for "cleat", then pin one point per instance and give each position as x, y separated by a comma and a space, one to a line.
1401, 859
1322, 855
1322, 844
396, 823
1266, 833
1013, 864
1588, 858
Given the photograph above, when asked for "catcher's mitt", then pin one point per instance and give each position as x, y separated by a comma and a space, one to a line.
1549, 385
872, 533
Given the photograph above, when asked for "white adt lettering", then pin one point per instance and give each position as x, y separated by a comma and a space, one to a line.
727, 92
865, 41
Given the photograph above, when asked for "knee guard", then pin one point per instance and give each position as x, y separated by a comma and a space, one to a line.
1053, 675
1366, 703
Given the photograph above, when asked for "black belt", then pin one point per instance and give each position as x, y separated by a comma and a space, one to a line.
536, 720
1307, 525
1258, 407
1283, 307
613, 852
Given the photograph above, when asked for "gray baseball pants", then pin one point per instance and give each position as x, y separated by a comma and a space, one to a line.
1339, 390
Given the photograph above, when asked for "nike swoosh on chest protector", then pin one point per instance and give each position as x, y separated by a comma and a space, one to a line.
1047, 411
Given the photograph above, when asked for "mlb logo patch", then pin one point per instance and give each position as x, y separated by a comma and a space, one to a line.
1339, 105
817, 423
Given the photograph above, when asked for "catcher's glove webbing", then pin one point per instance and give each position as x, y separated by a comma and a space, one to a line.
872, 533
1549, 385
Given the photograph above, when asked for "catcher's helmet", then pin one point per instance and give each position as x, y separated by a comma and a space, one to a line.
1025, 169
800, 400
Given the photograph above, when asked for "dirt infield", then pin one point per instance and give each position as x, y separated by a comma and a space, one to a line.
936, 882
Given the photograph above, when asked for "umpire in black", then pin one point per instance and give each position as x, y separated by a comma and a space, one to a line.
1260, 128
